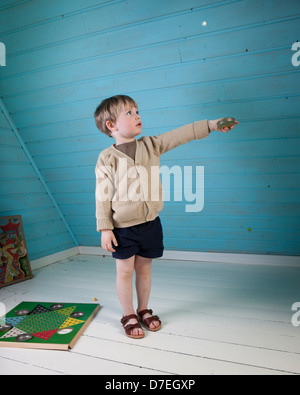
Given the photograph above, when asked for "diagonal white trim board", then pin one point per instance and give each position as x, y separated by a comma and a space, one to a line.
35, 167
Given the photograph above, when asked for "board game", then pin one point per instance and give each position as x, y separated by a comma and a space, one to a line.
14, 263
46, 325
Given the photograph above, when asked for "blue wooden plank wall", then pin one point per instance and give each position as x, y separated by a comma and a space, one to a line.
64, 57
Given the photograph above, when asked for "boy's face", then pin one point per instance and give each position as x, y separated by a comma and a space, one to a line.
128, 125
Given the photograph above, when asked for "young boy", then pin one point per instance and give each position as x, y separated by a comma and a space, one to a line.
129, 199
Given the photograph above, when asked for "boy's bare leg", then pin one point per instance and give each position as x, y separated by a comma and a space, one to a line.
143, 285
125, 268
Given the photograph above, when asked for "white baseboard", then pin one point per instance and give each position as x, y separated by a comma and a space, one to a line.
216, 257
49, 259
248, 259
85, 250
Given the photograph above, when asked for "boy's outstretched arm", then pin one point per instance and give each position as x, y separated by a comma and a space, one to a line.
195, 131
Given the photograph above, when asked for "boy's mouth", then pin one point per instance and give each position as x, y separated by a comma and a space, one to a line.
139, 124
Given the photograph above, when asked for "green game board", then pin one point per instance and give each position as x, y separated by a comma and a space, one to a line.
46, 325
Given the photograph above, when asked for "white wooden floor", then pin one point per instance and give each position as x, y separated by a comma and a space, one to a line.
217, 319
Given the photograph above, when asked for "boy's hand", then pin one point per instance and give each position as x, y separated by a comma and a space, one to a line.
107, 239
213, 125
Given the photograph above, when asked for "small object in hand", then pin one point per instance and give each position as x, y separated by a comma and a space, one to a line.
226, 123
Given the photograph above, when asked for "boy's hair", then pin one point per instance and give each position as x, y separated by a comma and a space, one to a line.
109, 109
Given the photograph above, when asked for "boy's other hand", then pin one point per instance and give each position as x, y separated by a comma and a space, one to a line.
107, 240
213, 125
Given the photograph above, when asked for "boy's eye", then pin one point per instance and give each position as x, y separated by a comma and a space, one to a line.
131, 112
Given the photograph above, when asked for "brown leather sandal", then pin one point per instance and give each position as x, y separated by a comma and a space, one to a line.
147, 321
128, 328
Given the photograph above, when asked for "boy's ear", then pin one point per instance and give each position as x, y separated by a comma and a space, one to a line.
111, 126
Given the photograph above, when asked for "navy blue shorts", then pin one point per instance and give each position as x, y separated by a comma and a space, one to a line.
145, 240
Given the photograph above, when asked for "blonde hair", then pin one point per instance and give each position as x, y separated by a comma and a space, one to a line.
109, 110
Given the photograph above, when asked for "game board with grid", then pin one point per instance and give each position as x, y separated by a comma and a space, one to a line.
45, 325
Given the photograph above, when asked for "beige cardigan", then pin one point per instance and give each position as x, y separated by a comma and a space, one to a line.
129, 192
